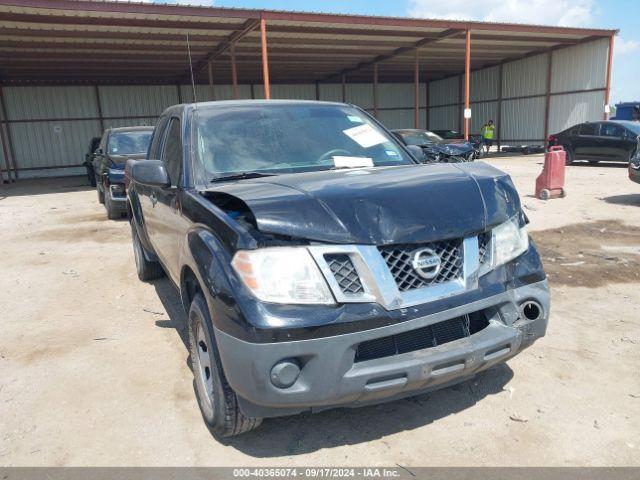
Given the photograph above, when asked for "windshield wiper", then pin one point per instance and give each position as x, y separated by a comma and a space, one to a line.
241, 176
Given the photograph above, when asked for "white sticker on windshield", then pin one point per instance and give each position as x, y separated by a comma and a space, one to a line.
354, 118
365, 135
352, 162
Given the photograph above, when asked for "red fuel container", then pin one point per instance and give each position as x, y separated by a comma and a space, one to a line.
550, 183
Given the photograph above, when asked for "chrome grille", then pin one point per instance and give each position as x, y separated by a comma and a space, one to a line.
345, 273
484, 247
399, 258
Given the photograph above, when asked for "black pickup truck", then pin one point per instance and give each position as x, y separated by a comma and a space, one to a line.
322, 265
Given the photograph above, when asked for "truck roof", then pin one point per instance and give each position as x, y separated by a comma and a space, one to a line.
244, 103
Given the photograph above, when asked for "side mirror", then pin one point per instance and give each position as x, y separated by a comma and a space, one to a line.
417, 153
150, 173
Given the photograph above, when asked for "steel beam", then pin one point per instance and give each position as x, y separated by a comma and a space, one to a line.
11, 159
467, 81
234, 71
547, 93
607, 91
396, 52
375, 90
212, 93
416, 90
265, 58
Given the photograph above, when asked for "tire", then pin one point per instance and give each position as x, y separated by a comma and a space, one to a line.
545, 194
217, 401
111, 214
563, 192
568, 156
100, 195
147, 270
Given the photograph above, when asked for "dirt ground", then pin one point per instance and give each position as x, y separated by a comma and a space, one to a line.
93, 364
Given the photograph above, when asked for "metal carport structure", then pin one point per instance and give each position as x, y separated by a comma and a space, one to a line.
69, 68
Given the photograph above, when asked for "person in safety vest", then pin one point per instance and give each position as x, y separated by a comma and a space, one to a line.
488, 133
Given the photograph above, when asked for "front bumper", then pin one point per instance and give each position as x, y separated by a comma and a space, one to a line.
330, 377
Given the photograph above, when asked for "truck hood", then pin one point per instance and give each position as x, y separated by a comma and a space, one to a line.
383, 205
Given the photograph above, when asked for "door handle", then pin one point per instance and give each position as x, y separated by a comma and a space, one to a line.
153, 199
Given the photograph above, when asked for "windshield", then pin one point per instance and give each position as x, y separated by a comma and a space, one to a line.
448, 134
288, 138
129, 143
420, 138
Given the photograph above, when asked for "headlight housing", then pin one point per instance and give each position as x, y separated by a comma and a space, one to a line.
282, 275
509, 241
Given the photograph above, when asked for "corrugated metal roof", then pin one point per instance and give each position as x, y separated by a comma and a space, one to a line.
92, 41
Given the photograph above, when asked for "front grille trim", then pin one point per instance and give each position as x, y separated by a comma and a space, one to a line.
399, 257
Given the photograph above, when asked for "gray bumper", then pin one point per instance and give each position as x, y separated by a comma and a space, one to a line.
331, 378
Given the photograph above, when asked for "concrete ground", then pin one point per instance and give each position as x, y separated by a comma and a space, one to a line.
93, 364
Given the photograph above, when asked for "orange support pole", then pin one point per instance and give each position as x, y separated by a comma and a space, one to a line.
375, 89
467, 78
344, 88
416, 90
607, 89
265, 58
234, 71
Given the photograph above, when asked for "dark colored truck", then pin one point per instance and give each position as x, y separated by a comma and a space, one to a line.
116, 146
321, 265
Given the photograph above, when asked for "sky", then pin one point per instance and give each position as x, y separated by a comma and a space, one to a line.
610, 14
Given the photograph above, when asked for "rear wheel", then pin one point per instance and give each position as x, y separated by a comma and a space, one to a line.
545, 194
217, 400
569, 157
147, 270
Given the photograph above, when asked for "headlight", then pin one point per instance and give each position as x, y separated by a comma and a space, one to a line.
282, 275
509, 241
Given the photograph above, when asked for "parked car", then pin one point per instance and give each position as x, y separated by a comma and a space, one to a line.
594, 141
328, 268
454, 136
634, 165
435, 148
117, 145
88, 160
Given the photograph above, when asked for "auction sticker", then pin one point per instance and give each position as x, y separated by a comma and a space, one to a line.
365, 135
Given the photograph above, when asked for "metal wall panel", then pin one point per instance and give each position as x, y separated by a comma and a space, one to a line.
360, 94
394, 119
123, 101
580, 67
50, 102
484, 84
443, 92
221, 92
444, 118
525, 77
523, 119
293, 92
569, 109
46, 144
481, 113
395, 95
331, 92
129, 122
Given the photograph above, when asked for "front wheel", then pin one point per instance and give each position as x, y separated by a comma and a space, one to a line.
217, 400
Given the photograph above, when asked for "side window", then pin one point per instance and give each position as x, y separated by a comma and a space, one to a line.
156, 140
588, 129
611, 130
172, 151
